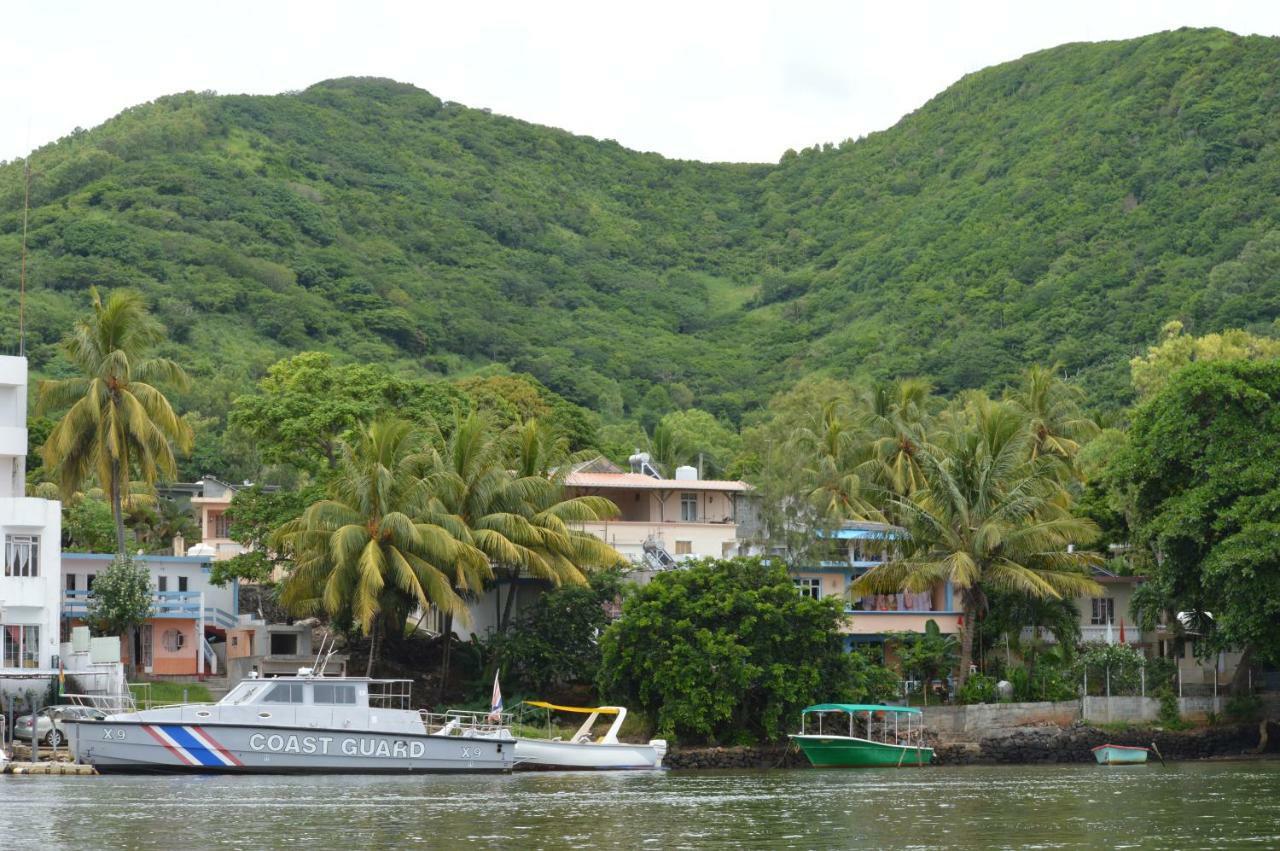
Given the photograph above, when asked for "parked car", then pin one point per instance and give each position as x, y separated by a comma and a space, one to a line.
48, 730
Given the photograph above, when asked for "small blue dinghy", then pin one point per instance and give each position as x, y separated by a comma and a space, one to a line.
1120, 755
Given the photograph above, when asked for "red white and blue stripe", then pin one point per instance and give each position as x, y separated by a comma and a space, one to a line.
192, 745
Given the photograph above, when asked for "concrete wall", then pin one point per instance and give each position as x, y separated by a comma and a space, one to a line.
983, 719
1133, 710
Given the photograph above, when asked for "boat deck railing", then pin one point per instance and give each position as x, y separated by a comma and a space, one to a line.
465, 724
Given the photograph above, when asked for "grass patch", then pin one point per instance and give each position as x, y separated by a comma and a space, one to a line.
162, 693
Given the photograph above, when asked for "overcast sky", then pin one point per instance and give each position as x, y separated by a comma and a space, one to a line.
742, 80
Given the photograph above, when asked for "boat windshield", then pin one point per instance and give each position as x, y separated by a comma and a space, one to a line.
246, 692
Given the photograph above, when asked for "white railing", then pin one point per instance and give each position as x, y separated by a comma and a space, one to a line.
467, 725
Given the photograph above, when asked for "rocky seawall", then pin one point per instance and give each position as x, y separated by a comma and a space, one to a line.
1029, 745
1074, 744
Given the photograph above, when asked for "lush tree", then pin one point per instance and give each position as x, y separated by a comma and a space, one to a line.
496, 492
365, 554
1152, 371
990, 516
87, 526
122, 598
1054, 410
727, 651
117, 423
556, 642
711, 445
928, 654
305, 404
1201, 460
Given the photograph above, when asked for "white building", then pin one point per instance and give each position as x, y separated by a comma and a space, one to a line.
661, 521
30, 598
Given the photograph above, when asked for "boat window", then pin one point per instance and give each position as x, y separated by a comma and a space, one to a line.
333, 693
284, 693
244, 693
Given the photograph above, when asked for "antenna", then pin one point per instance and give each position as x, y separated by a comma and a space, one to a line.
22, 275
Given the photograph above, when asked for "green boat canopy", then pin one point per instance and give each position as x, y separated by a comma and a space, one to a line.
859, 707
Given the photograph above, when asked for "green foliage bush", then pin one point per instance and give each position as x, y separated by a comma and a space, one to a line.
978, 688
727, 651
556, 642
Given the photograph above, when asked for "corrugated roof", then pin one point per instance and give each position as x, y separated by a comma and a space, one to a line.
639, 481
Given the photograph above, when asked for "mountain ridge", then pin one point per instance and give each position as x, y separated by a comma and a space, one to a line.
1058, 208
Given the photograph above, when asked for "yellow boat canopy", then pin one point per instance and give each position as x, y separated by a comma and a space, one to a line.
585, 710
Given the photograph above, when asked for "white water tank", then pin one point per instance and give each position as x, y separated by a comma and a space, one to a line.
686, 474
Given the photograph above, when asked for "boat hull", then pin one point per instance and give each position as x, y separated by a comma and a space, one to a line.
1120, 755
542, 754
116, 746
848, 752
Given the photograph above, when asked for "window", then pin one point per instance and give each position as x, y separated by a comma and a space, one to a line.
689, 507
21, 555
1103, 611
174, 640
182, 584
88, 582
21, 646
684, 548
145, 642
162, 584
71, 581
218, 525
284, 693
808, 587
333, 693
284, 644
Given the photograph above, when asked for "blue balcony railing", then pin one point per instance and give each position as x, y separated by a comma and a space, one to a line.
165, 604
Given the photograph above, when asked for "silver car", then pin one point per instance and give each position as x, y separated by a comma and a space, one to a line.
48, 729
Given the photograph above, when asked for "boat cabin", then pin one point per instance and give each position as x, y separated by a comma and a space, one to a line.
890, 725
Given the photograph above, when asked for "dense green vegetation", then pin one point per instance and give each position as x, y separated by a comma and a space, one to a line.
728, 652
1058, 208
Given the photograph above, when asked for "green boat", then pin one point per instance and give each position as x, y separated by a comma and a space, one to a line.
1119, 755
859, 735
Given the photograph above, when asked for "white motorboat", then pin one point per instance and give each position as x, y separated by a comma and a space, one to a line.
581, 751
302, 723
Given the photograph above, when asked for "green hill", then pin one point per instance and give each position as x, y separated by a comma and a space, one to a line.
1056, 208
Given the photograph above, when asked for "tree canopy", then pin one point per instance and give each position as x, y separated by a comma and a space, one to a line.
1202, 462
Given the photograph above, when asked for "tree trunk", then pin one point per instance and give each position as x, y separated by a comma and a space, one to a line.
117, 507
373, 647
511, 596
448, 648
966, 647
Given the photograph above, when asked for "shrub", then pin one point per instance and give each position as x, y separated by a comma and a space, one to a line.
979, 688
727, 651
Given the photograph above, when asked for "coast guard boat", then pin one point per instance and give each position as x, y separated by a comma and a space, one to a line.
303, 723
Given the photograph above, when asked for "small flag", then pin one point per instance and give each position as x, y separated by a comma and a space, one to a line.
62, 680
495, 703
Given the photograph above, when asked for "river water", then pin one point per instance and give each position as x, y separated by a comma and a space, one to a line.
1187, 805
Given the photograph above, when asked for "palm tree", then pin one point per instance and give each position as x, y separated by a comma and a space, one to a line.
668, 449
835, 475
118, 422
989, 515
1055, 413
517, 517
896, 417
495, 492
366, 552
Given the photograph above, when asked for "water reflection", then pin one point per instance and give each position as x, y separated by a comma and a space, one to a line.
1185, 805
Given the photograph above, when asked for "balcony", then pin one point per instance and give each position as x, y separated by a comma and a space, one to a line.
165, 604
1092, 632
